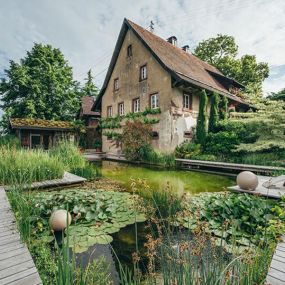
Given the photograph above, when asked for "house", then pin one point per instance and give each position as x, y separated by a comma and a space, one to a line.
91, 122
38, 133
147, 71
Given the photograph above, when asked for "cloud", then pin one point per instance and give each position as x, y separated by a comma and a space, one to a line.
86, 31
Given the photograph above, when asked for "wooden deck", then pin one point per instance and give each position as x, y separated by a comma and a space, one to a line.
276, 273
68, 179
190, 164
16, 264
260, 190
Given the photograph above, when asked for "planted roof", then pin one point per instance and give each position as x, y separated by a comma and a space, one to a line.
26, 123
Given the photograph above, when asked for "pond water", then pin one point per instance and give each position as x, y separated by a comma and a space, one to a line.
179, 181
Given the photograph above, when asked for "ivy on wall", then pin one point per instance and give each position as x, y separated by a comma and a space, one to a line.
115, 122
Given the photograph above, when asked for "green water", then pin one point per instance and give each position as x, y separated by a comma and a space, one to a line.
179, 181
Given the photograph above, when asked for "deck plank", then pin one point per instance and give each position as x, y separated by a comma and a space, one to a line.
16, 264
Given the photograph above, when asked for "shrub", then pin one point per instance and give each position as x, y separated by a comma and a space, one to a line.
187, 150
9, 141
201, 132
136, 138
221, 143
223, 108
214, 112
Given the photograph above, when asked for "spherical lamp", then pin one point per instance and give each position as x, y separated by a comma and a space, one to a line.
247, 180
58, 220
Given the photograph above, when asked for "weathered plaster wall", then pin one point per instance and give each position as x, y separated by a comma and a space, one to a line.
173, 119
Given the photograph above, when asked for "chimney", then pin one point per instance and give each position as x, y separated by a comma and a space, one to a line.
172, 40
186, 48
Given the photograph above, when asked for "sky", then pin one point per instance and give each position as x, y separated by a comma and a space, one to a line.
86, 30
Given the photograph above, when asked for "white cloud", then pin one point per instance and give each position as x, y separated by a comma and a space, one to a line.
86, 30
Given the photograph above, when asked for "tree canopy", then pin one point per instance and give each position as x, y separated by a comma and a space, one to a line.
222, 51
40, 86
280, 95
89, 88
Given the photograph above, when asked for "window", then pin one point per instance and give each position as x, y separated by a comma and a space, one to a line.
136, 105
155, 135
188, 134
143, 72
116, 84
109, 111
187, 101
154, 101
121, 109
129, 50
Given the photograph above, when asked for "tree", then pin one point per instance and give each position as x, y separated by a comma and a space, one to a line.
40, 86
201, 132
280, 95
222, 51
223, 108
214, 113
136, 139
90, 89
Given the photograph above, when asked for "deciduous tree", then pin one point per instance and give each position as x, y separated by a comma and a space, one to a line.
40, 86
221, 51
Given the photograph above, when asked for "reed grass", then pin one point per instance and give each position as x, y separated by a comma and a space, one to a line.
20, 166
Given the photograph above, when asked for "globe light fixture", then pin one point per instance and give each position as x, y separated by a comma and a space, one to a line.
247, 180
58, 220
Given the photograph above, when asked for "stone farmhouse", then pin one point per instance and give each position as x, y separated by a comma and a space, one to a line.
147, 71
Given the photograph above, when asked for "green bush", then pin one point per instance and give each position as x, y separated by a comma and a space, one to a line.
201, 132
187, 150
221, 143
214, 112
9, 141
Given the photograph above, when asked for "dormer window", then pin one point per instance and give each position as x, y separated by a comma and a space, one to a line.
129, 51
116, 84
143, 72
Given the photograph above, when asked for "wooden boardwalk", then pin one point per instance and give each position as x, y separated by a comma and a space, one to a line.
261, 190
190, 164
67, 179
276, 273
16, 264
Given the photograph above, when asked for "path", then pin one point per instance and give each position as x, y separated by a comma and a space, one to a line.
16, 264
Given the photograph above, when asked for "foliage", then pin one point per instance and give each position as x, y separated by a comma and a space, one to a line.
222, 51
221, 143
202, 119
89, 88
152, 156
280, 95
9, 141
40, 86
223, 108
237, 218
136, 137
95, 214
214, 112
187, 150
97, 272
44, 260
20, 166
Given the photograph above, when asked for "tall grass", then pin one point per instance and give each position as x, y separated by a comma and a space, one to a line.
20, 166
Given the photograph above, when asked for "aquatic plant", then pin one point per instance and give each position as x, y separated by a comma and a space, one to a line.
96, 214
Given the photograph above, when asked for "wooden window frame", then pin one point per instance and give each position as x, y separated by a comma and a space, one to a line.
146, 73
189, 101
157, 100
116, 80
121, 104
133, 105
130, 50
110, 107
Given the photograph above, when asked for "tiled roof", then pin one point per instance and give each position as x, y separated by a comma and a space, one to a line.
86, 105
25, 123
183, 66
